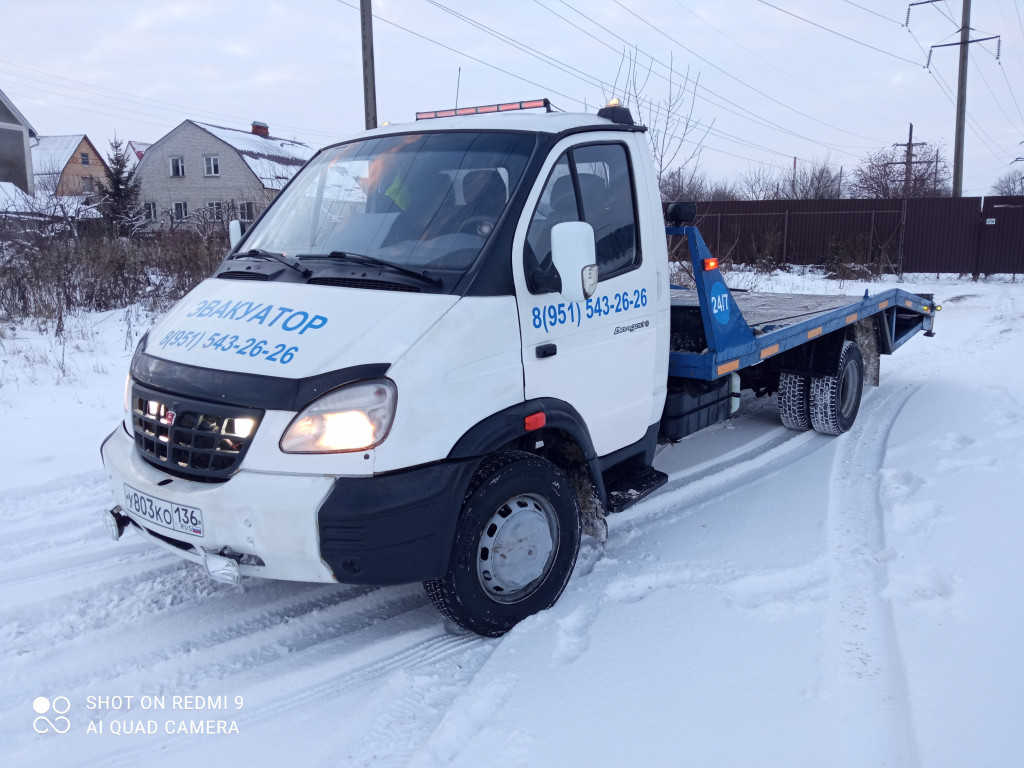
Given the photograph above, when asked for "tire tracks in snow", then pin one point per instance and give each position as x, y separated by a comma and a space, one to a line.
863, 672
68, 596
409, 661
748, 464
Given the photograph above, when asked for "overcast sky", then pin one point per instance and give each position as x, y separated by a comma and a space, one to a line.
778, 79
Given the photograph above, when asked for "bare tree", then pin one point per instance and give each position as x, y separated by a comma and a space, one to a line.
1010, 183
761, 182
816, 180
882, 174
676, 137
692, 184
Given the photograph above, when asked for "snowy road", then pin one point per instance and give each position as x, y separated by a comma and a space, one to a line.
787, 600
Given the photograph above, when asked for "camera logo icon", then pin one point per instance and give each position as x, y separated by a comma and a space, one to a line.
59, 707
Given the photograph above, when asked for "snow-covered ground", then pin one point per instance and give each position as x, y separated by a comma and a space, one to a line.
787, 600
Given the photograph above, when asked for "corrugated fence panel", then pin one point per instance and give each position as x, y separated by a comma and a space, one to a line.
914, 235
1001, 248
941, 234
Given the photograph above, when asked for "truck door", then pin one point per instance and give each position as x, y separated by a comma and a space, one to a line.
599, 355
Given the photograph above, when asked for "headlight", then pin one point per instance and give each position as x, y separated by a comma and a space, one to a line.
351, 418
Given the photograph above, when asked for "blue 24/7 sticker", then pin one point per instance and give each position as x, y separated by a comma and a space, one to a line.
720, 303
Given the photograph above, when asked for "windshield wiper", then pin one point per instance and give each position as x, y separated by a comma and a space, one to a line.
373, 261
259, 253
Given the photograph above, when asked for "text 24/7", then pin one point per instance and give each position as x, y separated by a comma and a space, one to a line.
225, 342
553, 315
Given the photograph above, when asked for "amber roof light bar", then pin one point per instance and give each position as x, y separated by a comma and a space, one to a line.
489, 108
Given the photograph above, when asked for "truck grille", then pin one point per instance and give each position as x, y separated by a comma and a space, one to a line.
191, 438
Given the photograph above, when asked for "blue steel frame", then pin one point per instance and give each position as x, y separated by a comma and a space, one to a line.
733, 346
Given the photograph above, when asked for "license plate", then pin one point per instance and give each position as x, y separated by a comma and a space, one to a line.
166, 514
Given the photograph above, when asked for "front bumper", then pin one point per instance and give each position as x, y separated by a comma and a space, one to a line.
392, 528
260, 517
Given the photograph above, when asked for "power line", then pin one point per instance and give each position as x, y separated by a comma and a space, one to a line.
839, 34
161, 105
873, 13
462, 53
1010, 89
738, 80
771, 64
995, 98
654, 107
710, 96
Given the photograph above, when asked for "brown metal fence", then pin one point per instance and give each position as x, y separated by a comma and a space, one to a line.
963, 235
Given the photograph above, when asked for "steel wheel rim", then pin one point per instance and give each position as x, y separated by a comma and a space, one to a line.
517, 547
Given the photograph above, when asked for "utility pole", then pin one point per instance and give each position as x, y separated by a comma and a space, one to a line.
910, 159
961, 102
369, 78
961, 89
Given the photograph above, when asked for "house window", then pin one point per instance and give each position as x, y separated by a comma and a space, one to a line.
177, 166
245, 212
85, 158
180, 211
87, 185
213, 211
149, 210
212, 166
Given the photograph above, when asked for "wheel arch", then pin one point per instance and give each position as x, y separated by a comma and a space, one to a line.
564, 440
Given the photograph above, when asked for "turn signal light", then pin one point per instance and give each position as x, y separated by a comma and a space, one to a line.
535, 421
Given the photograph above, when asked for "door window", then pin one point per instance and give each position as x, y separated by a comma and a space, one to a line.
591, 183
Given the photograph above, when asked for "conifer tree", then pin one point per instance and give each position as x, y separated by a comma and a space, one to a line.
120, 192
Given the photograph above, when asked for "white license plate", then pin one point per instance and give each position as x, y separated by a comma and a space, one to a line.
166, 514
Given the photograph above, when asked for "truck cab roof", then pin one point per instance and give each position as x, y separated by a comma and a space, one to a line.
518, 120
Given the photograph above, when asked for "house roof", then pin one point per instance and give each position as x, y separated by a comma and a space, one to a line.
138, 148
273, 160
17, 115
11, 197
51, 153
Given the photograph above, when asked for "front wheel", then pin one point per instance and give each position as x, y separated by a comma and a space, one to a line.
515, 545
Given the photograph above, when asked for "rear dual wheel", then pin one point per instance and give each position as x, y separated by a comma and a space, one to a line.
829, 404
795, 401
835, 400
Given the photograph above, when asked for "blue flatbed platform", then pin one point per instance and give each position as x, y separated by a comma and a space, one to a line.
741, 329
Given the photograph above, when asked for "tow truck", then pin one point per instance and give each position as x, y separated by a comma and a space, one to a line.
448, 350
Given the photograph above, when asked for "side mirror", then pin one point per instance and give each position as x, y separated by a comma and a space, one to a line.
574, 256
234, 232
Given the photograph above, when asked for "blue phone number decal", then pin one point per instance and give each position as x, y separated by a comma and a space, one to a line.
227, 342
553, 315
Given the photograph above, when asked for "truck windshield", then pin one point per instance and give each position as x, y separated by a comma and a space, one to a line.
426, 201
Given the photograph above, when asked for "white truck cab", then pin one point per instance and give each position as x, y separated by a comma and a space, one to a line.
409, 368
